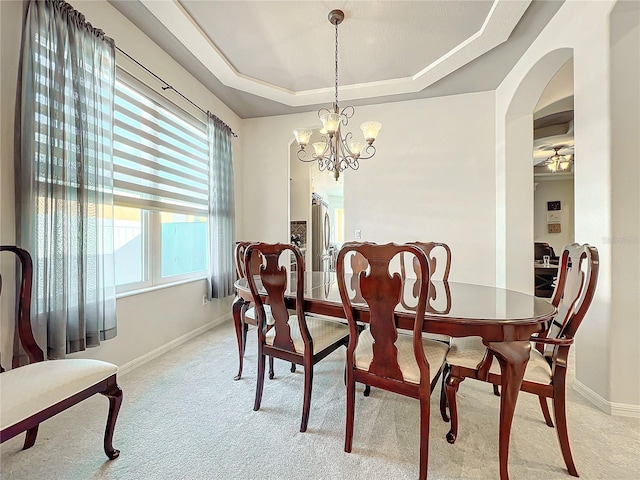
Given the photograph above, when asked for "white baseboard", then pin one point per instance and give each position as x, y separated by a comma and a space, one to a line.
147, 357
616, 409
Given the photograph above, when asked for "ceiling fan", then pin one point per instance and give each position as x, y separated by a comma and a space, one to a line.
560, 161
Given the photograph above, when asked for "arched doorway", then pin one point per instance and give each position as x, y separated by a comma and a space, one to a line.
514, 176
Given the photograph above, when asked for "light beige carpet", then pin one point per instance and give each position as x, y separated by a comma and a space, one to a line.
184, 417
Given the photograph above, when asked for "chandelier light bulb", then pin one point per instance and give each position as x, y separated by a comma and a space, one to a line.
559, 163
370, 131
303, 135
319, 148
356, 147
330, 123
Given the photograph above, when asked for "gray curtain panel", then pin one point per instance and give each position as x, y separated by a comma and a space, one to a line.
64, 177
221, 208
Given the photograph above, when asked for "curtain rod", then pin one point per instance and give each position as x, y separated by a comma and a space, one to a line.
167, 86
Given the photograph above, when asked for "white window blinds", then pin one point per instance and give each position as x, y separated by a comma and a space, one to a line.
160, 153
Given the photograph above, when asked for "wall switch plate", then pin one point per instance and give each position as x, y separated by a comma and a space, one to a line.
358, 234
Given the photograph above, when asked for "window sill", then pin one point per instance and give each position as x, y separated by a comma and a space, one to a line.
157, 287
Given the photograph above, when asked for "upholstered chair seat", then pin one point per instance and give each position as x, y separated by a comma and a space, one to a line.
433, 350
38, 386
323, 332
250, 314
468, 352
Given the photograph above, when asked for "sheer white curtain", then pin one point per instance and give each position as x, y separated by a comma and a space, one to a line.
221, 208
64, 178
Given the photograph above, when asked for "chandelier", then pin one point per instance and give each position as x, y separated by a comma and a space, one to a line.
558, 163
335, 153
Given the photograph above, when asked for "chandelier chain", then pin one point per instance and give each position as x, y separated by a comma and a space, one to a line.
336, 104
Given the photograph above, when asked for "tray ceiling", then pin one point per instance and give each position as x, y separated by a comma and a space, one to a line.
275, 57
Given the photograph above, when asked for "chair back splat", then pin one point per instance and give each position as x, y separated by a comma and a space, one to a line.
241, 247
439, 261
575, 287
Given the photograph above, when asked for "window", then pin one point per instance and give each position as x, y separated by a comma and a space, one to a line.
161, 189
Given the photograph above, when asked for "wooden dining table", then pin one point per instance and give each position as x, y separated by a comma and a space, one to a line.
505, 319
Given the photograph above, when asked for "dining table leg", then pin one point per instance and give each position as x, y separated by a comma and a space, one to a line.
236, 309
513, 358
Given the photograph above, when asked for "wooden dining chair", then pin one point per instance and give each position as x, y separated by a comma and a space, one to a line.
37, 391
546, 371
248, 311
297, 338
380, 355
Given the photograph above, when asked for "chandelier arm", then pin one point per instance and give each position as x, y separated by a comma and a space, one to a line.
344, 144
370, 151
349, 162
346, 113
302, 156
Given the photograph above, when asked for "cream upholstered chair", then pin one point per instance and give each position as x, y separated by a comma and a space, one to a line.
380, 355
296, 338
41, 389
546, 371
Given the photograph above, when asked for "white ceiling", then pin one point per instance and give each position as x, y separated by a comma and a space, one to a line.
276, 57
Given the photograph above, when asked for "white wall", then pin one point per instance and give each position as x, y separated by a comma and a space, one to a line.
549, 190
567, 34
147, 321
10, 28
625, 222
432, 178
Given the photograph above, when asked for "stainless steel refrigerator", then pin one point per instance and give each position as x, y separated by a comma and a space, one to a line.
320, 238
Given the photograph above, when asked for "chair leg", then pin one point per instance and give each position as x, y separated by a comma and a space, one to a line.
237, 310
306, 404
425, 411
545, 410
245, 329
452, 385
271, 371
30, 438
293, 367
560, 413
496, 391
351, 408
443, 396
114, 394
367, 390
259, 381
